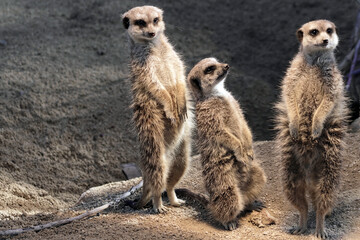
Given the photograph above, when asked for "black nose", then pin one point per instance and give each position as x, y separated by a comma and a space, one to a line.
325, 41
151, 34
226, 67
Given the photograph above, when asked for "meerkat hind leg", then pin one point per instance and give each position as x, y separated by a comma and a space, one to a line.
253, 188
327, 185
158, 206
155, 183
295, 189
299, 201
145, 197
320, 231
177, 170
157, 189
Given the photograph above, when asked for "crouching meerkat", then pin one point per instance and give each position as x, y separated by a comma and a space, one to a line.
232, 178
311, 123
160, 105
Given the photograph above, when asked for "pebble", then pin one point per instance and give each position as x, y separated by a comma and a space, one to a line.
3, 43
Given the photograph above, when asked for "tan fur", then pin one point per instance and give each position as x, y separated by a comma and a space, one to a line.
160, 105
311, 124
232, 178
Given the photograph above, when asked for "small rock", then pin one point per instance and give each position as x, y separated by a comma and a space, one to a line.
100, 52
261, 219
3, 43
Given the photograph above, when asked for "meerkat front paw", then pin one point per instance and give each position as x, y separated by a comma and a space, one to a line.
170, 115
250, 153
316, 130
240, 157
182, 109
232, 225
294, 130
183, 113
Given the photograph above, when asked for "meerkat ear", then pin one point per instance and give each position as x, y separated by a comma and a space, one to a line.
160, 11
299, 35
196, 85
195, 82
126, 22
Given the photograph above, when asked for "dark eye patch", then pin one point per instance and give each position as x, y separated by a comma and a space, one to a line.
314, 32
140, 23
209, 69
329, 30
156, 20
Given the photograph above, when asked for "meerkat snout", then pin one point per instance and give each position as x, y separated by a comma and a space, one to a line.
319, 35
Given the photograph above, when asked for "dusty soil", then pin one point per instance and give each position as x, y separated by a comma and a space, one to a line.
65, 122
193, 221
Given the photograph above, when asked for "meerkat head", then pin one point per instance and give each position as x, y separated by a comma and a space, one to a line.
317, 36
207, 78
144, 24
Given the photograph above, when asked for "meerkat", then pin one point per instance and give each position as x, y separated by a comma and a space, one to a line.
232, 178
311, 124
160, 104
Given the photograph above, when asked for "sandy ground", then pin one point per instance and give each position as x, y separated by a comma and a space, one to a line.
193, 221
65, 122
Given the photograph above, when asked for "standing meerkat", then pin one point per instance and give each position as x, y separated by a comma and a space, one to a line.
160, 105
232, 178
311, 123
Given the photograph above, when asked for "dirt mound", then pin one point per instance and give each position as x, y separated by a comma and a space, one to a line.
19, 198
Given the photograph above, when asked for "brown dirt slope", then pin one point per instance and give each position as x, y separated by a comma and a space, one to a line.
65, 122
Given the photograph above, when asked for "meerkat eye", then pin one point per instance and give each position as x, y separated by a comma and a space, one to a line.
140, 23
329, 31
209, 69
314, 32
156, 20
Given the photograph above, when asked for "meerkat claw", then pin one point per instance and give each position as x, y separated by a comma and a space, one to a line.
322, 235
298, 231
230, 225
160, 209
